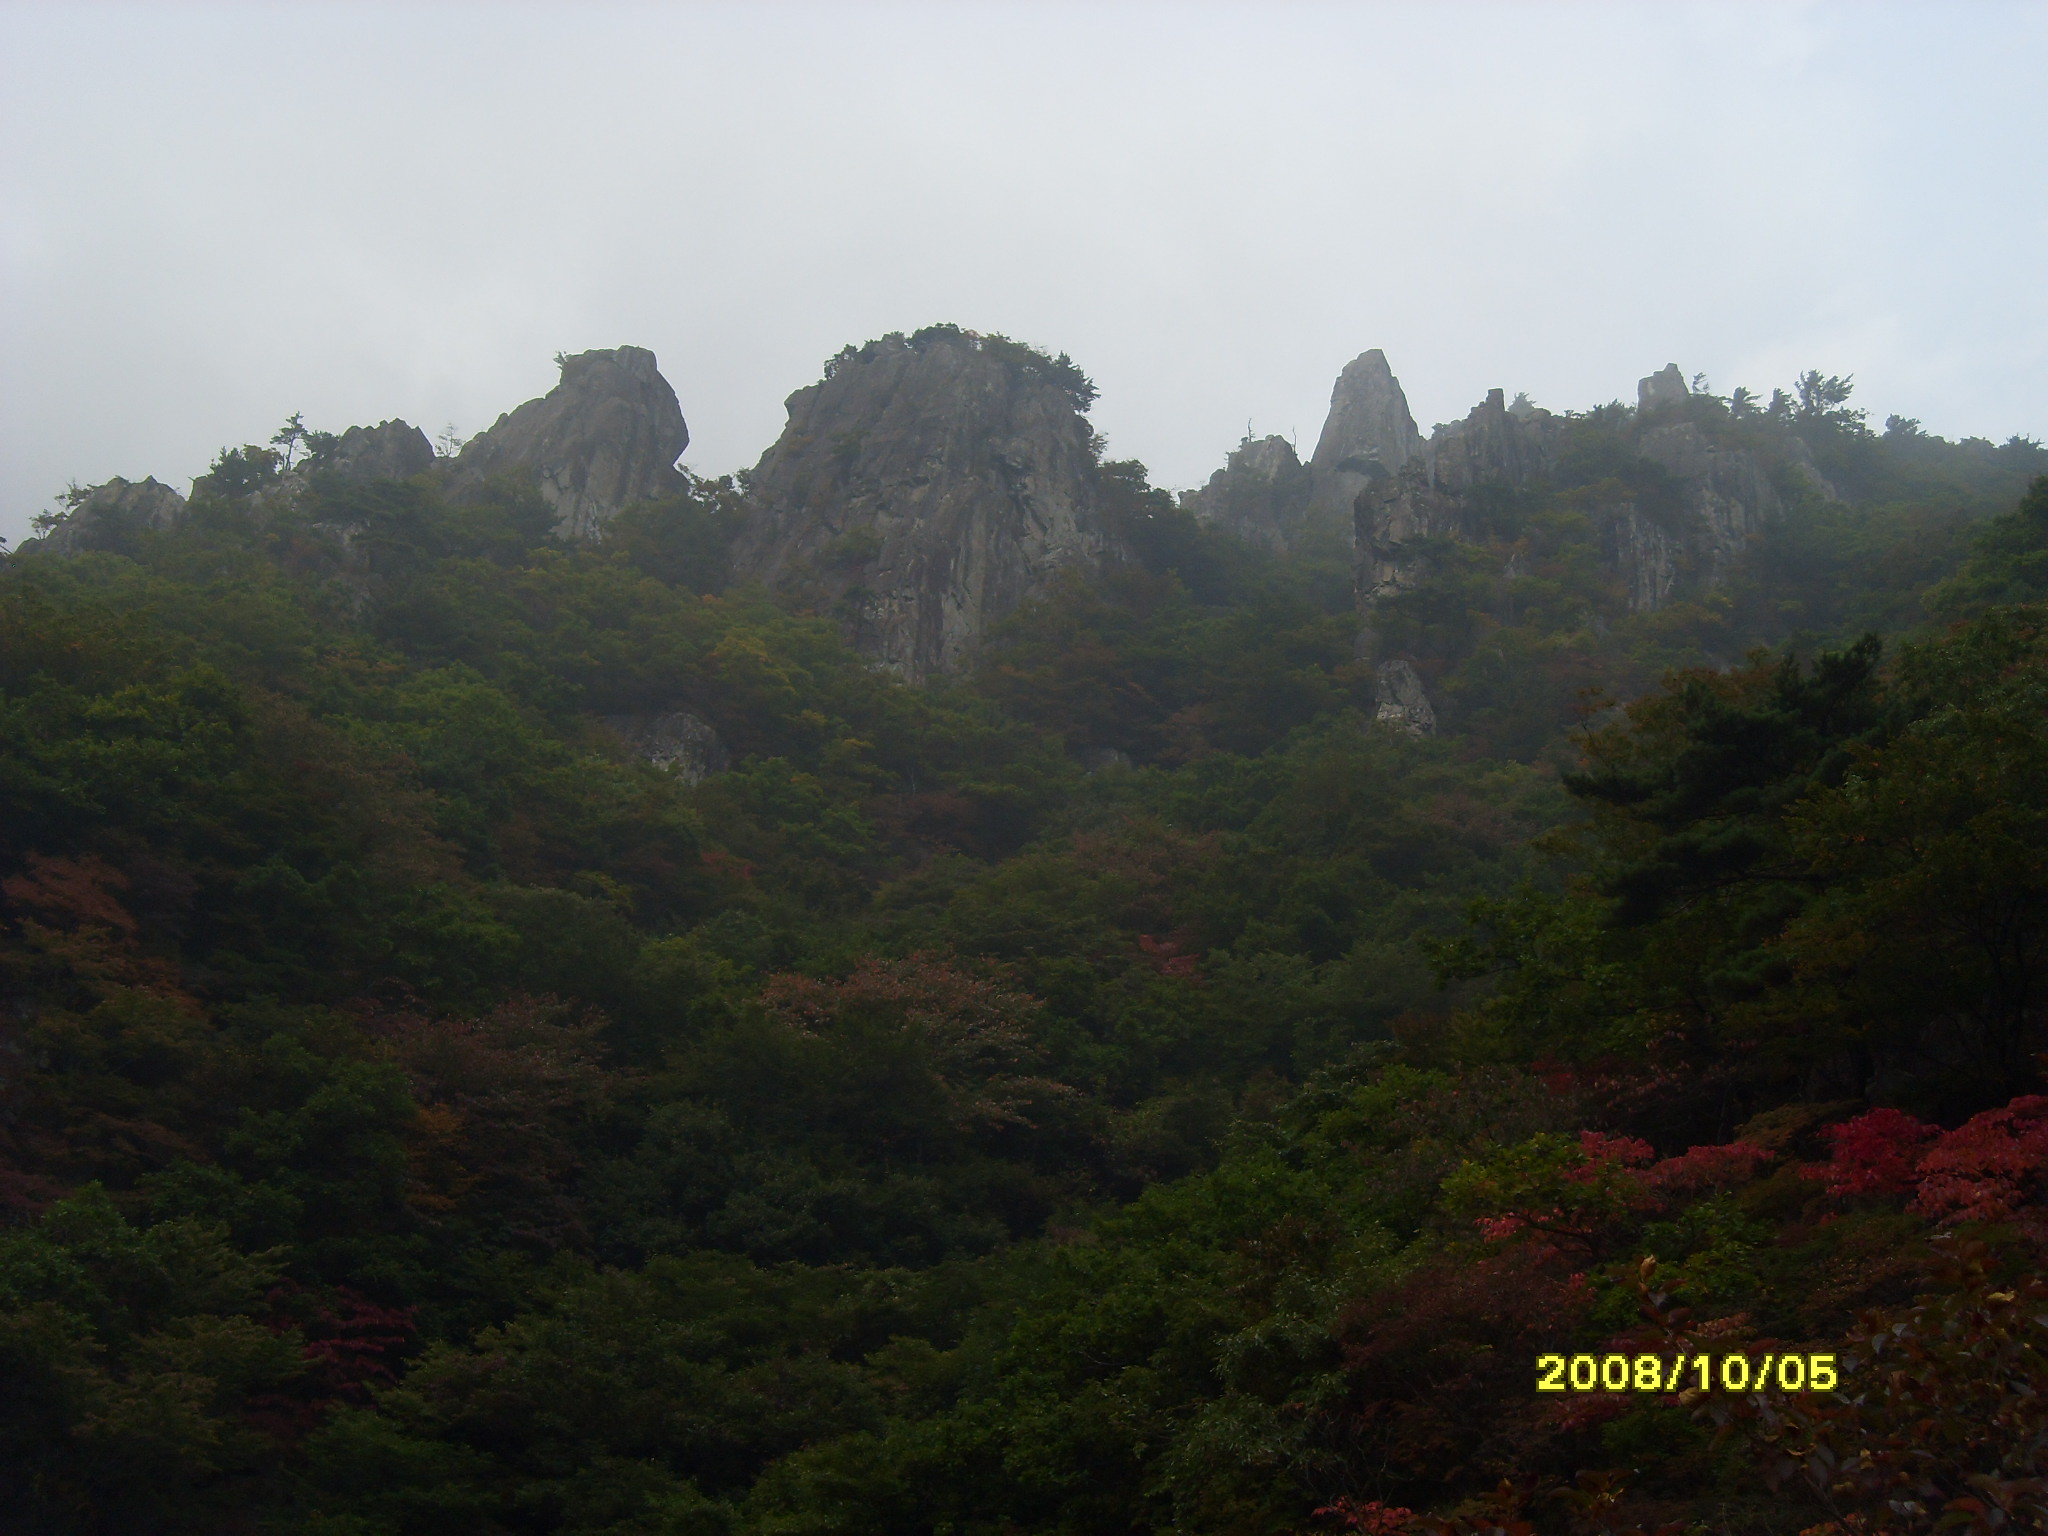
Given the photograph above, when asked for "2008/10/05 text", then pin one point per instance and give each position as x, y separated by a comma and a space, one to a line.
1703, 1373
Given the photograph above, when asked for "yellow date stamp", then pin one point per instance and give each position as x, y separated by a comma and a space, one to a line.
1682, 1373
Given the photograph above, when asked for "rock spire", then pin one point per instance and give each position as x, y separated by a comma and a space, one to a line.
1369, 423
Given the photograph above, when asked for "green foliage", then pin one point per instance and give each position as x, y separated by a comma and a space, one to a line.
420, 1113
132, 1358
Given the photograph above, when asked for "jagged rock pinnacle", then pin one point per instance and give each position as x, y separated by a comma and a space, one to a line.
1369, 422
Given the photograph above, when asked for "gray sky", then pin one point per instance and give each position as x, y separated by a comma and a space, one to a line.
212, 216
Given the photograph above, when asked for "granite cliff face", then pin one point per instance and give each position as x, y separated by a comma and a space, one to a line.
1394, 514
1715, 496
111, 513
1369, 423
1676, 522
1261, 494
606, 436
923, 489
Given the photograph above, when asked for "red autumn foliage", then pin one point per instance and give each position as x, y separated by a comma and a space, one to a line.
1701, 1169
1439, 1362
1371, 1517
69, 893
1622, 1151
1874, 1154
1167, 956
502, 1099
352, 1347
1990, 1168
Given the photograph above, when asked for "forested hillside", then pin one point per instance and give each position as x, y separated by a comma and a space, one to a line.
1120, 1086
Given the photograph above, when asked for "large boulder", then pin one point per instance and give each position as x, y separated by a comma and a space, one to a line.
391, 450
1261, 494
684, 744
923, 489
1402, 702
109, 515
607, 436
1369, 424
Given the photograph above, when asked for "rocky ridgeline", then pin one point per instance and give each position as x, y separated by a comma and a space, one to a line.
930, 483
1397, 493
924, 488
1266, 495
607, 436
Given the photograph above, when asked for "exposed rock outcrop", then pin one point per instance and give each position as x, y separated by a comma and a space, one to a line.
1681, 531
1644, 554
1395, 516
1261, 494
1403, 701
1369, 423
1391, 518
391, 450
1102, 759
1726, 491
684, 744
923, 489
608, 435
111, 514
1665, 387
1493, 445
1800, 463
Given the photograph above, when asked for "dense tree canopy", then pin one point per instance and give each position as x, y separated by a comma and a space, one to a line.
1122, 1088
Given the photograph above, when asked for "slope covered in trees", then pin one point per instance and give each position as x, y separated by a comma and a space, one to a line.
420, 1113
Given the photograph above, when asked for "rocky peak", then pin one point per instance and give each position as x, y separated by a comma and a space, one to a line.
1665, 387
924, 488
108, 515
391, 450
606, 436
1493, 445
1261, 493
1369, 423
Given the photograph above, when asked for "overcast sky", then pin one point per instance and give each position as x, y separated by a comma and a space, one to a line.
212, 216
